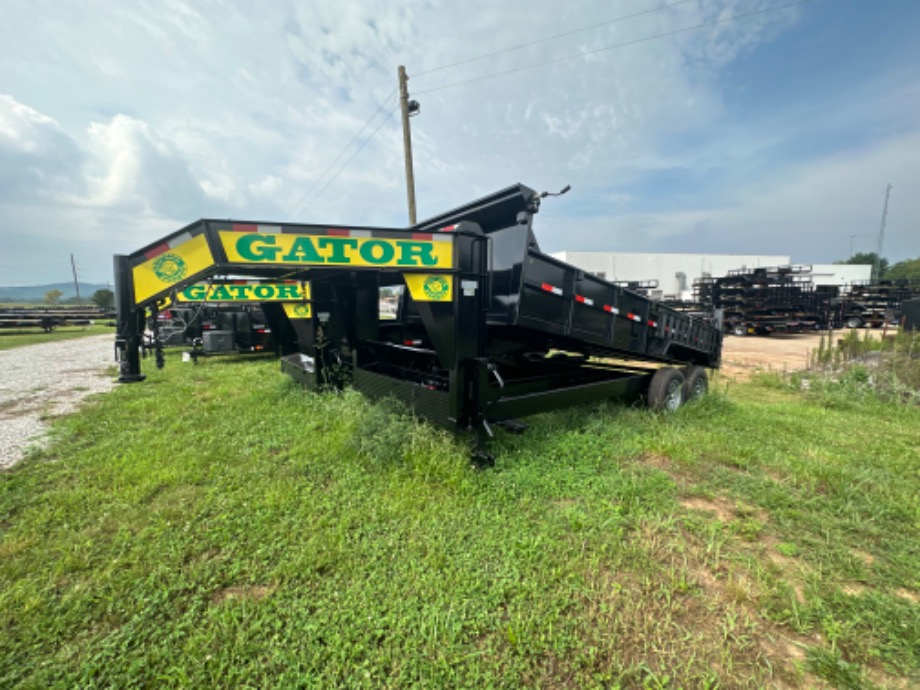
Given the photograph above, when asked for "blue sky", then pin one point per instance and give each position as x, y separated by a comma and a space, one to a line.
776, 133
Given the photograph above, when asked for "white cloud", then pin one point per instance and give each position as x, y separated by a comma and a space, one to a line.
37, 158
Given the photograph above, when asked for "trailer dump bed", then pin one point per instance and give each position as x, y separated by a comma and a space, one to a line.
488, 327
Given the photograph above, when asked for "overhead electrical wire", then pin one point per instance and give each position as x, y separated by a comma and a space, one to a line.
515, 70
552, 38
350, 158
303, 196
582, 54
342, 152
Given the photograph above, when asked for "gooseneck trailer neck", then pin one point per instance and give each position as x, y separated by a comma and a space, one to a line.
488, 327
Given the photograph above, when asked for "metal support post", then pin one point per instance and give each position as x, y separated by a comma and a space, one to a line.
129, 322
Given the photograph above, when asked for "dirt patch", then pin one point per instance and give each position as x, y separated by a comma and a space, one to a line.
685, 475
241, 592
912, 597
854, 589
722, 508
867, 558
658, 462
882, 679
742, 356
745, 355
785, 648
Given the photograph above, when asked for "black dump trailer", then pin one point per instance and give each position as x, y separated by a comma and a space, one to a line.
489, 329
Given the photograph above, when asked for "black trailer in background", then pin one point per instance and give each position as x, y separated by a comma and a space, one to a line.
911, 309
488, 327
784, 299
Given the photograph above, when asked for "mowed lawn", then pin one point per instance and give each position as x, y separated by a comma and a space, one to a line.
216, 526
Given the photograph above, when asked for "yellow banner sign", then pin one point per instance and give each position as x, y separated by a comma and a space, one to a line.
297, 310
171, 265
426, 287
245, 292
323, 250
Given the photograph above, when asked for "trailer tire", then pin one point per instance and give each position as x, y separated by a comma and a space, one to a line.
666, 391
854, 322
696, 384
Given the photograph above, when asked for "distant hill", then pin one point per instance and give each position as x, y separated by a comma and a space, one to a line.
36, 293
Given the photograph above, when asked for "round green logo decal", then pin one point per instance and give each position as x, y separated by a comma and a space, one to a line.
170, 268
436, 288
302, 309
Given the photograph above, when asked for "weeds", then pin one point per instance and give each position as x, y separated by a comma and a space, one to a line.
857, 367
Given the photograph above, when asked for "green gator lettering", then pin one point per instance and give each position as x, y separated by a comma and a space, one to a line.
303, 251
416, 254
221, 294
376, 252
194, 292
339, 245
257, 247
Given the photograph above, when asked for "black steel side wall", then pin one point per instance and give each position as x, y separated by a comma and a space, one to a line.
429, 404
627, 389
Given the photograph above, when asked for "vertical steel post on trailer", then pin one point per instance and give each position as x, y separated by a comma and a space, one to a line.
469, 371
129, 324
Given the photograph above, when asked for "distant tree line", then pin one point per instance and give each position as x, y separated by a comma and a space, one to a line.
104, 298
909, 268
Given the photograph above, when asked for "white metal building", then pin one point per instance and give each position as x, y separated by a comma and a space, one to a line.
840, 274
675, 273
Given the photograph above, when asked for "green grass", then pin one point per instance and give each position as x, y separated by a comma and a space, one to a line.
218, 527
15, 337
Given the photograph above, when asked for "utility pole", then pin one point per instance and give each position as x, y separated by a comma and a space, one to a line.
852, 237
881, 236
405, 104
76, 283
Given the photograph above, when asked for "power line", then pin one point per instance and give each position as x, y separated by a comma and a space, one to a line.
553, 37
611, 47
342, 153
345, 165
513, 71
463, 62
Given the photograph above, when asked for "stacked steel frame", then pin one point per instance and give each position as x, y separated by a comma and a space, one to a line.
48, 318
874, 304
765, 300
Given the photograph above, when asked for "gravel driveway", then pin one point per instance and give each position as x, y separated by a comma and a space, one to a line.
47, 380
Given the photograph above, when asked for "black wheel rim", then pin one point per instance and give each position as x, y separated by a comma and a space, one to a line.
674, 396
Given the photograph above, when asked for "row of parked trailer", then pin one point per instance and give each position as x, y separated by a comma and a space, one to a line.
785, 299
48, 318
